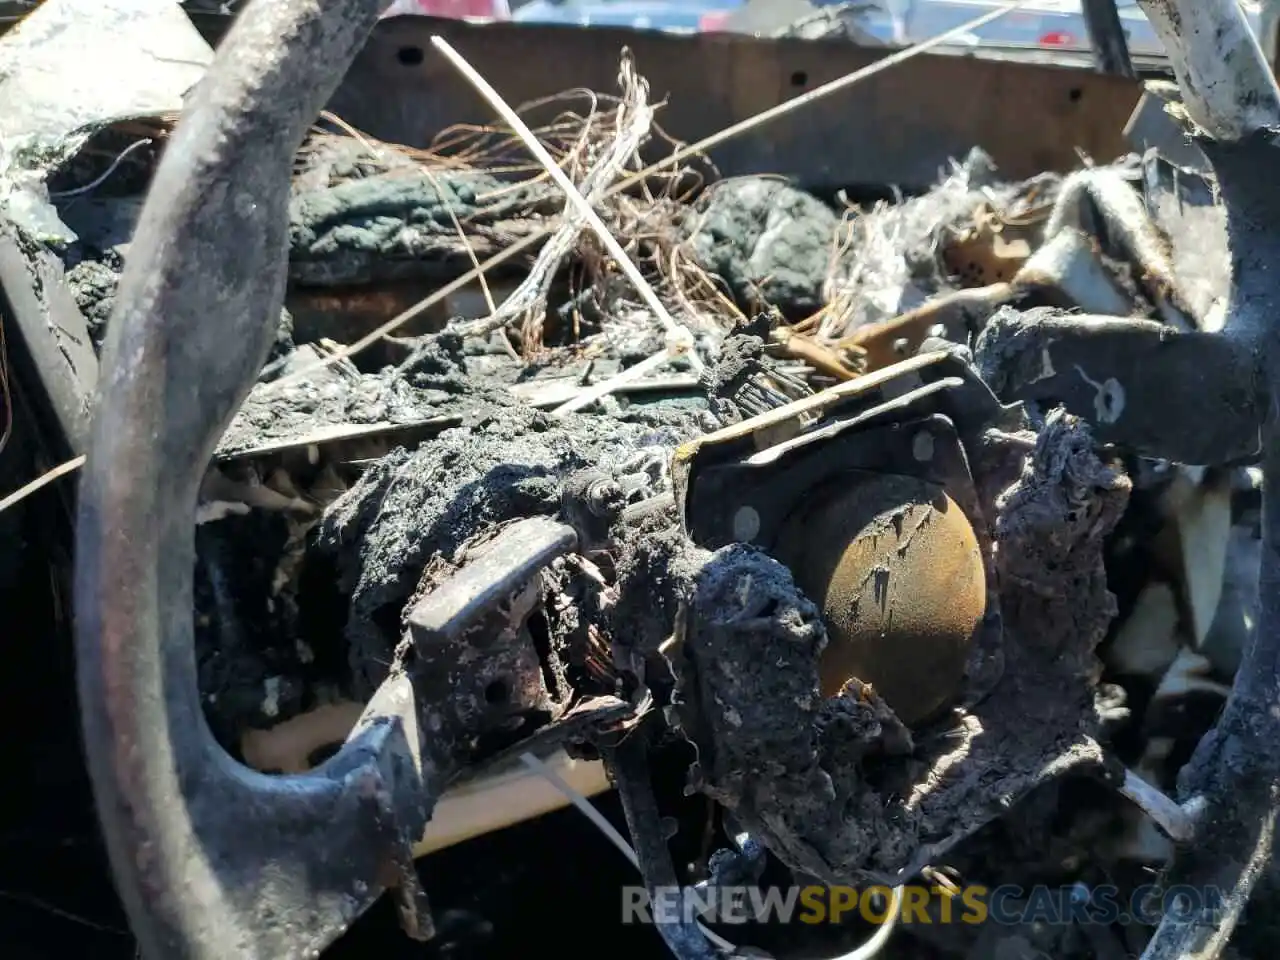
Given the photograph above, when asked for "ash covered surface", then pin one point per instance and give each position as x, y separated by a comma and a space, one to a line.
770, 242
398, 224
316, 538
895, 253
430, 386
838, 787
252, 678
92, 267
506, 462
93, 282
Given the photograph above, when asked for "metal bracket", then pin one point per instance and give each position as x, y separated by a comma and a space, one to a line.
756, 481
878, 423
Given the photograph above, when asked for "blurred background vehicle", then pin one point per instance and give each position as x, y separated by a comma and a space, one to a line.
1048, 25
1043, 23
674, 16
452, 9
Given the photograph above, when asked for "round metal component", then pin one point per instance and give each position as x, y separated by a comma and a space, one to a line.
897, 571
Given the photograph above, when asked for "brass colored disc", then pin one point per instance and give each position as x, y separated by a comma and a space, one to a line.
897, 571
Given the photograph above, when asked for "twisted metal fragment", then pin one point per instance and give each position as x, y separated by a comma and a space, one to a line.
1118, 373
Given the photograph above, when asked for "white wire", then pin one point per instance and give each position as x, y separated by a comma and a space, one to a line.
866, 951
584, 806
65, 194
679, 337
604, 826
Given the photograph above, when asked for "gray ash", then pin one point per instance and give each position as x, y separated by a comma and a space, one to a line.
397, 225
769, 241
507, 461
94, 280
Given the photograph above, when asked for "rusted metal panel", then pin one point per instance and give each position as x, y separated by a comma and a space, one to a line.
898, 127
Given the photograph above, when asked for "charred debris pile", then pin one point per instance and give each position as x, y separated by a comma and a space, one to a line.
872, 561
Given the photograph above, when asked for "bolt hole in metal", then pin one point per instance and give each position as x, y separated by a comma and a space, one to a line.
410, 56
800, 78
497, 692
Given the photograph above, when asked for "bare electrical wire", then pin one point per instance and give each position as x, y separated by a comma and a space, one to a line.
106, 174
680, 339
527, 242
41, 481
866, 951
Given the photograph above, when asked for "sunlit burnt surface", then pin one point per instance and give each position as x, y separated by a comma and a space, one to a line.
915, 617
897, 571
871, 664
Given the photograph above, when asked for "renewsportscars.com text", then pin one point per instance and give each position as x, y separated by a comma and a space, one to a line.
1006, 905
